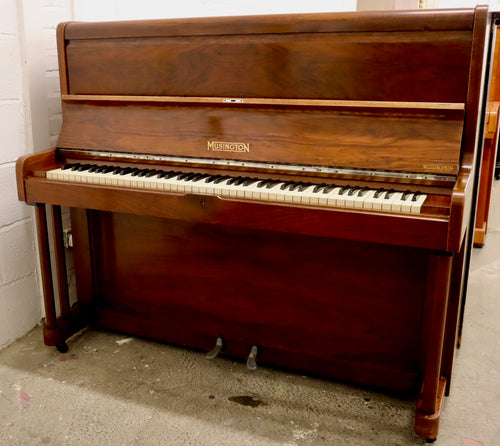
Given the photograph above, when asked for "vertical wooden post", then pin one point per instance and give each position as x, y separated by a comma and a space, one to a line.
452, 316
60, 259
437, 290
46, 270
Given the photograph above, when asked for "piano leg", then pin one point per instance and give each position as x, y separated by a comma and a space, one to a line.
60, 259
452, 317
56, 328
433, 388
50, 323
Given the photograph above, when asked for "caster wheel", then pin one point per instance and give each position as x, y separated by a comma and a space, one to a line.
62, 347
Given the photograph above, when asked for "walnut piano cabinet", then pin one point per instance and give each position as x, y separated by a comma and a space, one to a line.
490, 145
364, 105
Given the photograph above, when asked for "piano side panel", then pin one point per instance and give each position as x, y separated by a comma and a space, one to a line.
327, 306
425, 141
391, 66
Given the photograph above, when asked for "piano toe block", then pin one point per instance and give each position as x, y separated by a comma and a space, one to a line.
427, 425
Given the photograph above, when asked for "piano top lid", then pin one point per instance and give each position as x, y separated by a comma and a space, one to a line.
369, 21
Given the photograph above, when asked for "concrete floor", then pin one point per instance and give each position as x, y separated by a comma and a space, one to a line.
110, 389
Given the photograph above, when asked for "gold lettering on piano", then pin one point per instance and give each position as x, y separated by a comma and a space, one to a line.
221, 146
438, 168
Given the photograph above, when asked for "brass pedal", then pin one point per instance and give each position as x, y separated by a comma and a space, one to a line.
216, 350
251, 361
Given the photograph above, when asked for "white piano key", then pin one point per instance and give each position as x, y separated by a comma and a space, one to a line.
53, 174
406, 204
416, 206
397, 205
387, 202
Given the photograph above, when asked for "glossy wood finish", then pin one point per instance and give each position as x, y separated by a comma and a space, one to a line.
383, 139
46, 270
288, 292
490, 140
302, 65
60, 259
363, 296
402, 230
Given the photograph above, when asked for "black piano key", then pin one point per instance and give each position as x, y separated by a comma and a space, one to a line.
164, 173
286, 184
294, 186
344, 189
67, 166
144, 172
233, 180
172, 174
153, 173
304, 186
84, 167
75, 166
221, 179
241, 181
406, 195
272, 183
362, 192
200, 177
329, 188
212, 178
125, 170
389, 194
319, 187
378, 193
352, 191
250, 181
190, 176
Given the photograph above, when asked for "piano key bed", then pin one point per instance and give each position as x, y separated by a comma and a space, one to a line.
244, 187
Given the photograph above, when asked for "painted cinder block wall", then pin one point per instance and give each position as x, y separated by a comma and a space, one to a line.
30, 117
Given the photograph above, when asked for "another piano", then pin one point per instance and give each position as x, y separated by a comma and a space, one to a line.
292, 189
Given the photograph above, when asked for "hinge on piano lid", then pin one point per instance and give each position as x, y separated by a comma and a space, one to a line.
233, 100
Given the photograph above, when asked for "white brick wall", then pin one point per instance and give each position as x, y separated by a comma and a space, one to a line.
30, 118
19, 291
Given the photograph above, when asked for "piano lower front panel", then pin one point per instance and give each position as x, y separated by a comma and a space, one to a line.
339, 308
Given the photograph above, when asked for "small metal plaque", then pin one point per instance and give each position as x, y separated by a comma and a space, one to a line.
223, 146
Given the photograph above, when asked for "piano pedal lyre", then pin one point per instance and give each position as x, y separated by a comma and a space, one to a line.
251, 361
212, 354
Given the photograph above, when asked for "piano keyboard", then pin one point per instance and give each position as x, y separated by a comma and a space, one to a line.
242, 187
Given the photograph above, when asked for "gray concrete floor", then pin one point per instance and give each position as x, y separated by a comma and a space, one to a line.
110, 389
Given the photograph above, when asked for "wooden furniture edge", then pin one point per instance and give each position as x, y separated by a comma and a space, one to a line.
27, 164
61, 56
491, 134
241, 101
427, 425
370, 21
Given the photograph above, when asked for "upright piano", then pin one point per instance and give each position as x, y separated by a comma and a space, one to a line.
293, 190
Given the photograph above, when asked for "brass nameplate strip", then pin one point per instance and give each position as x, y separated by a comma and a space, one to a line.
298, 168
